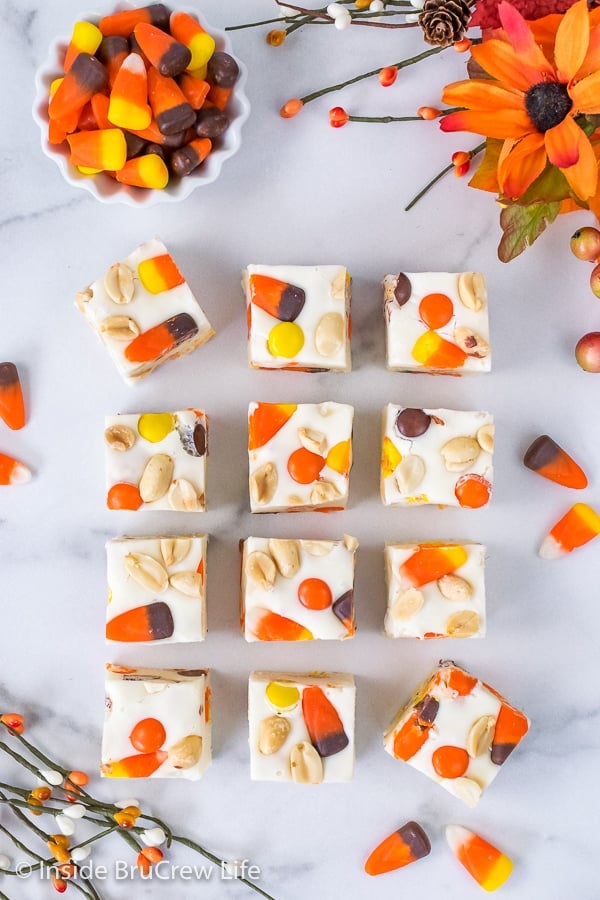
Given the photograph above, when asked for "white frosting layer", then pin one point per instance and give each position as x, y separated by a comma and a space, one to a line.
404, 324
438, 484
338, 687
331, 420
145, 308
128, 465
327, 291
125, 592
177, 698
335, 568
436, 610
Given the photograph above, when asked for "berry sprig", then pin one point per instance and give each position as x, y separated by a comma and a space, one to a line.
62, 793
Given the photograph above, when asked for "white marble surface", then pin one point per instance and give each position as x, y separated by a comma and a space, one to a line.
301, 192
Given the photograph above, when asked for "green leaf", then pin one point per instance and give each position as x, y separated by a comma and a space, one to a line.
551, 185
522, 225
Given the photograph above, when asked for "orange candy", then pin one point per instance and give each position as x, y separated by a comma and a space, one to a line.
450, 762
172, 112
314, 593
153, 622
577, 527
473, 491
339, 457
304, 465
124, 496
161, 339
12, 471
86, 77
164, 52
195, 90
266, 420
485, 863
148, 735
104, 149
548, 459
12, 408
141, 765
147, 171
429, 563
159, 274
456, 680
406, 845
410, 738
511, 727
323, 722
435, 352
129, 95
279, 299
123, 23
436, 310
270, 626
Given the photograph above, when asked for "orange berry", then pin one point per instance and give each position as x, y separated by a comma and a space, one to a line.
153, 854
35, 805
58, 884
304, 466
338, 117
124, 496
14, 721
450, 762
436, 310
428, 112
78, 778
291, 108
459, 157
41, 793
276, 37
461, 170
143, 864
387, 76
67, 870
463, 45
314, 593
148, 735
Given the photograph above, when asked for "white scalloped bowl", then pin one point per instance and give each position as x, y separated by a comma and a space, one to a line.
103, 187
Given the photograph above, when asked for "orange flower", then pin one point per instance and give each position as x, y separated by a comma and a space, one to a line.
534, 97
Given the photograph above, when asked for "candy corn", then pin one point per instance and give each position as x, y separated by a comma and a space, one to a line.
172, 112
124, 22
265, 420
436, 352
164, 52
548, 459
194, 90
431, 562
511, 726
111, 52
578, 526
86, 38
269, 626
188, 158
12, 471
404, 846
86, 77
279, 299
129, 95
148, 171
159, 273
343, 608
322, 722
12, 408
104, 149
485, 863
141, 765
161, 339
153, 622
190, 33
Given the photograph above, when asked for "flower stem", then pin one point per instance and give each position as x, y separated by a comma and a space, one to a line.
385, 119
399, 65
439, 176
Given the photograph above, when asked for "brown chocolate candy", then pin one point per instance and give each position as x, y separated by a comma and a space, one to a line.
222, 70
176, 119
211, 122
403, 289
412, 423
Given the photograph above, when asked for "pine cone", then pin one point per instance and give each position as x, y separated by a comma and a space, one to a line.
444, 21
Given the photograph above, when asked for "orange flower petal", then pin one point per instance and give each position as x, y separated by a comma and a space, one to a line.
519, 168
562, 143
591, 62
586, 94
502, 123
544, 32
521, 38
484, 95
583, 175
501, 62
572, 40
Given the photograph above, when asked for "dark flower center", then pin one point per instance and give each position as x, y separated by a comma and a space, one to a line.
547, 104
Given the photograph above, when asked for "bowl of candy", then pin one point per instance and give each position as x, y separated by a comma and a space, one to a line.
142, 105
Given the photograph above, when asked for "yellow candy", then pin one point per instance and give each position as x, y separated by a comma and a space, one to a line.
282, 696
54, 85
202, 47
390, 457
154, 427
285, 339
86, 170
339, 457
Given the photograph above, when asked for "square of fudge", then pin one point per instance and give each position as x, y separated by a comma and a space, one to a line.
156, 589
144, 312
298, 317
457, 730
435, 590
301, 727
440, 456
437, 322
156, 460
157, 723
297, 590
300, 456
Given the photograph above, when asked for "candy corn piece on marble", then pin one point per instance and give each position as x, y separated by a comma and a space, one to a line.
157, 723
549, 460
437, 322
577, 527
301, 727
12, 407
485, 863
457, 730
404, 846
12, 471
297, 589
144, 312
157, 589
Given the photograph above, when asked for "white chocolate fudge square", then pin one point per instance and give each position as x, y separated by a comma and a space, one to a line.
457, 730
435, 590
301, 727
156, 460
437, 322
298, 317
144, 312
297, 590
300, 456
157, 589
440, 456
157, 723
